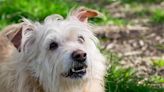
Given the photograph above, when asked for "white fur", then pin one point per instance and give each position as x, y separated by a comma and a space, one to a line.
44, 66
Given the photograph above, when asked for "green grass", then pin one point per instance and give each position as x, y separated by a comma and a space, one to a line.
158, 63
13, 10
158, 16
119, 79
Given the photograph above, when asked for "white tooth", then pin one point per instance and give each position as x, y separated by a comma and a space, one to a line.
77, 70
73, 70
80, 70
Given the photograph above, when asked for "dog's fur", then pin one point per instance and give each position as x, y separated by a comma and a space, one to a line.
27, 65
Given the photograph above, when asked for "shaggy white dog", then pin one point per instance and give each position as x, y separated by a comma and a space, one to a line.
55, 56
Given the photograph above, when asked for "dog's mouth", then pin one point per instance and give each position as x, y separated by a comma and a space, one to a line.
77, 70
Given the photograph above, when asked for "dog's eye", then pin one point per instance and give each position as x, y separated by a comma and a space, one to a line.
53, 46
81, 39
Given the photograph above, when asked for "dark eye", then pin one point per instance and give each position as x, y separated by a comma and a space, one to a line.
53, 46
81, 39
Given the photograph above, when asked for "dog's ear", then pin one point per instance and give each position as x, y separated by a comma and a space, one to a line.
15, 33
83, 14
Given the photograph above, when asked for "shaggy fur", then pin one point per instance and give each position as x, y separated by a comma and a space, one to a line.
32, 67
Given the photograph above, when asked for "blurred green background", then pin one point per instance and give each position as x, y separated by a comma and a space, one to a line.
117, 78
12, 11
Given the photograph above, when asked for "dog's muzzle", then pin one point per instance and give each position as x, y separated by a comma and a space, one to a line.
78, 67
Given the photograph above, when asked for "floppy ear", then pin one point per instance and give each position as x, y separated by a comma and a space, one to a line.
15, 33
83, 14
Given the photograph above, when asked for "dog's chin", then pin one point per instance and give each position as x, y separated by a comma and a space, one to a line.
76, 72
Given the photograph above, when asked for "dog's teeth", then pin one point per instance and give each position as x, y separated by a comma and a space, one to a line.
79, 70
73, 70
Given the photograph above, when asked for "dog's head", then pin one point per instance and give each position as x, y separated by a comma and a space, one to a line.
60, 49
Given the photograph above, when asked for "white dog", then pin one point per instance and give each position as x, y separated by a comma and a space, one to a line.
55, 56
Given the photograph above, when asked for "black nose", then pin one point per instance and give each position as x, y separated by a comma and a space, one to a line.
79, 56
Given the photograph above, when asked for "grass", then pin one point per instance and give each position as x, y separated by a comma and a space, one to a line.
14, 10
11, 11
158, 63
143, 9
158, 16
117, 78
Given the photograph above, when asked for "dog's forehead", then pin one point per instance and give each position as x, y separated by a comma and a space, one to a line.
64, 27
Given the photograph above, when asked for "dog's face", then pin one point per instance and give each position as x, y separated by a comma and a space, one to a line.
60, 49
65, 46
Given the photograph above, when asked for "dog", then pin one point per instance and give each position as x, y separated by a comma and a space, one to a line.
58, 55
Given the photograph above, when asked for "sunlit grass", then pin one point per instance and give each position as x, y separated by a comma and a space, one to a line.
158, 16
14, 10
158, 63
119, 79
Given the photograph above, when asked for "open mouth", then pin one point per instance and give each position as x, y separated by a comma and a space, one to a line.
76, 71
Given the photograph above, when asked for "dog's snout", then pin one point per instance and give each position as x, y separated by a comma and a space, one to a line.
79, 55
